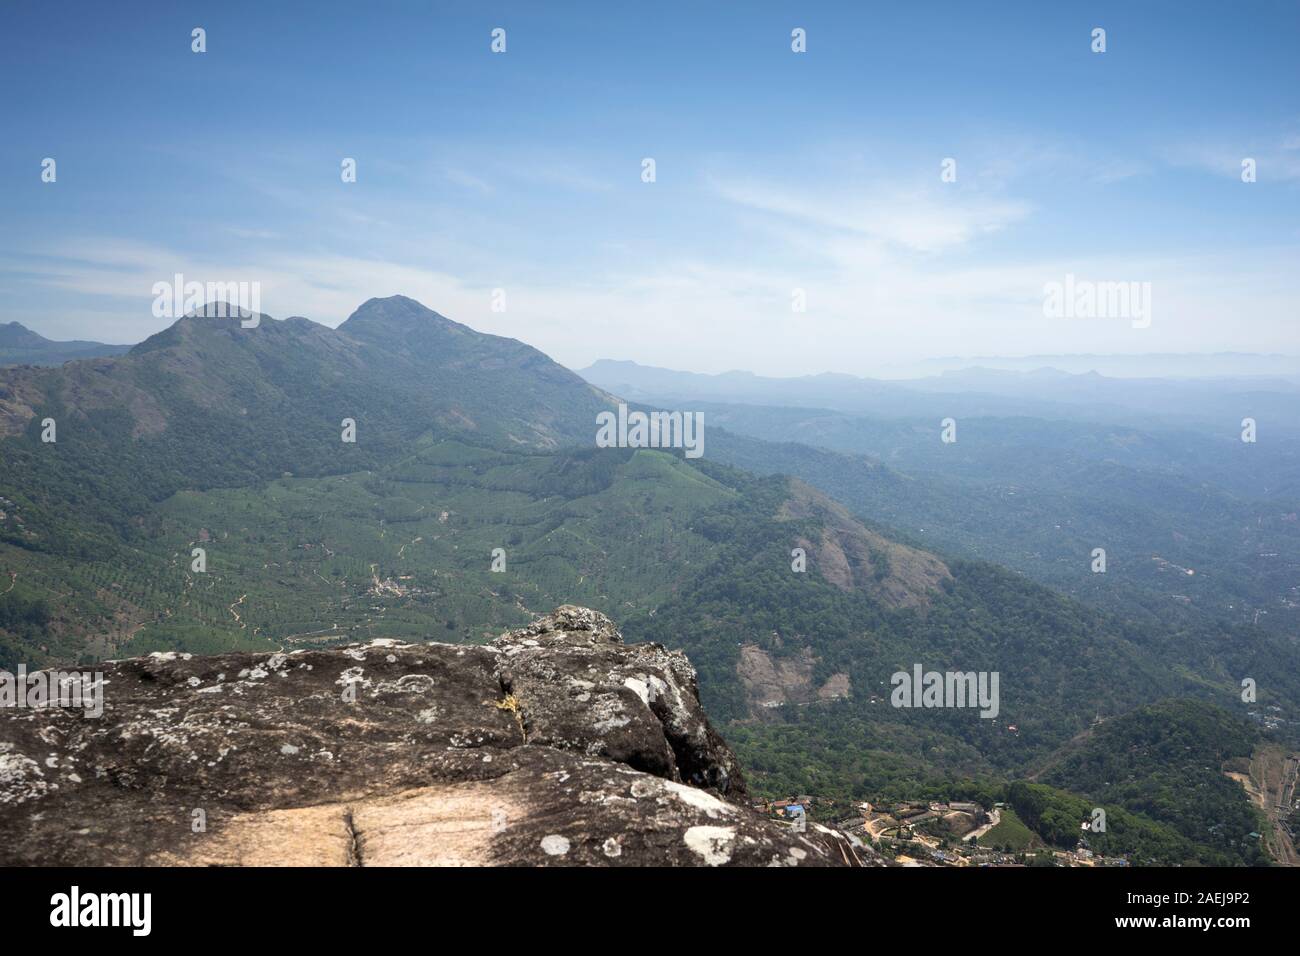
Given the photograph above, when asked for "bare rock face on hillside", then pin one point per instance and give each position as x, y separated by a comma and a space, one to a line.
771, 683
555, 745
851, 556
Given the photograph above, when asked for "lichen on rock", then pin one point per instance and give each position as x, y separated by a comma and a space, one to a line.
556, 744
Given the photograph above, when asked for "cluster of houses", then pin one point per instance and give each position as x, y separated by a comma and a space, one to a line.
959, 819
792, 809
1270, 721
6, 506
924, 833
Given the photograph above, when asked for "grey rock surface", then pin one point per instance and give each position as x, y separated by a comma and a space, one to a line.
556, 744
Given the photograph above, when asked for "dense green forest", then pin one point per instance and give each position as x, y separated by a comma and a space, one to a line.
1165, 761
1044, 516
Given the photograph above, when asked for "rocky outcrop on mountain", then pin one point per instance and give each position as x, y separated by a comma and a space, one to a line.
556, 744
852, 557
771, 683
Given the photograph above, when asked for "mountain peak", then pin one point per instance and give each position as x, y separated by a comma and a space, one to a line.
17, 335
399, 310
213, 317
19, 345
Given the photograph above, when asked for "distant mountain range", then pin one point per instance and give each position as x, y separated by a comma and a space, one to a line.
19, 345
1147, 365
1041, 392
1045, 467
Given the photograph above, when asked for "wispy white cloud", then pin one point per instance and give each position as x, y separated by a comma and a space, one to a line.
1277, 158
466, 179
912, 218
894, 268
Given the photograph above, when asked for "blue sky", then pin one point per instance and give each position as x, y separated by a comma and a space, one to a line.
775, 171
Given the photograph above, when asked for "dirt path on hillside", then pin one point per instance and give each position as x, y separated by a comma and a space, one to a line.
995, 817
1271, 786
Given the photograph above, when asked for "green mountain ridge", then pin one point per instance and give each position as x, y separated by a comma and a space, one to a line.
19, 345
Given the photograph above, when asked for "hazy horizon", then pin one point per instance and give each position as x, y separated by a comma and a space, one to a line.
1110, 365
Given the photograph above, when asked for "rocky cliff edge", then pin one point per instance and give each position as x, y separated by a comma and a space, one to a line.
556, 744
